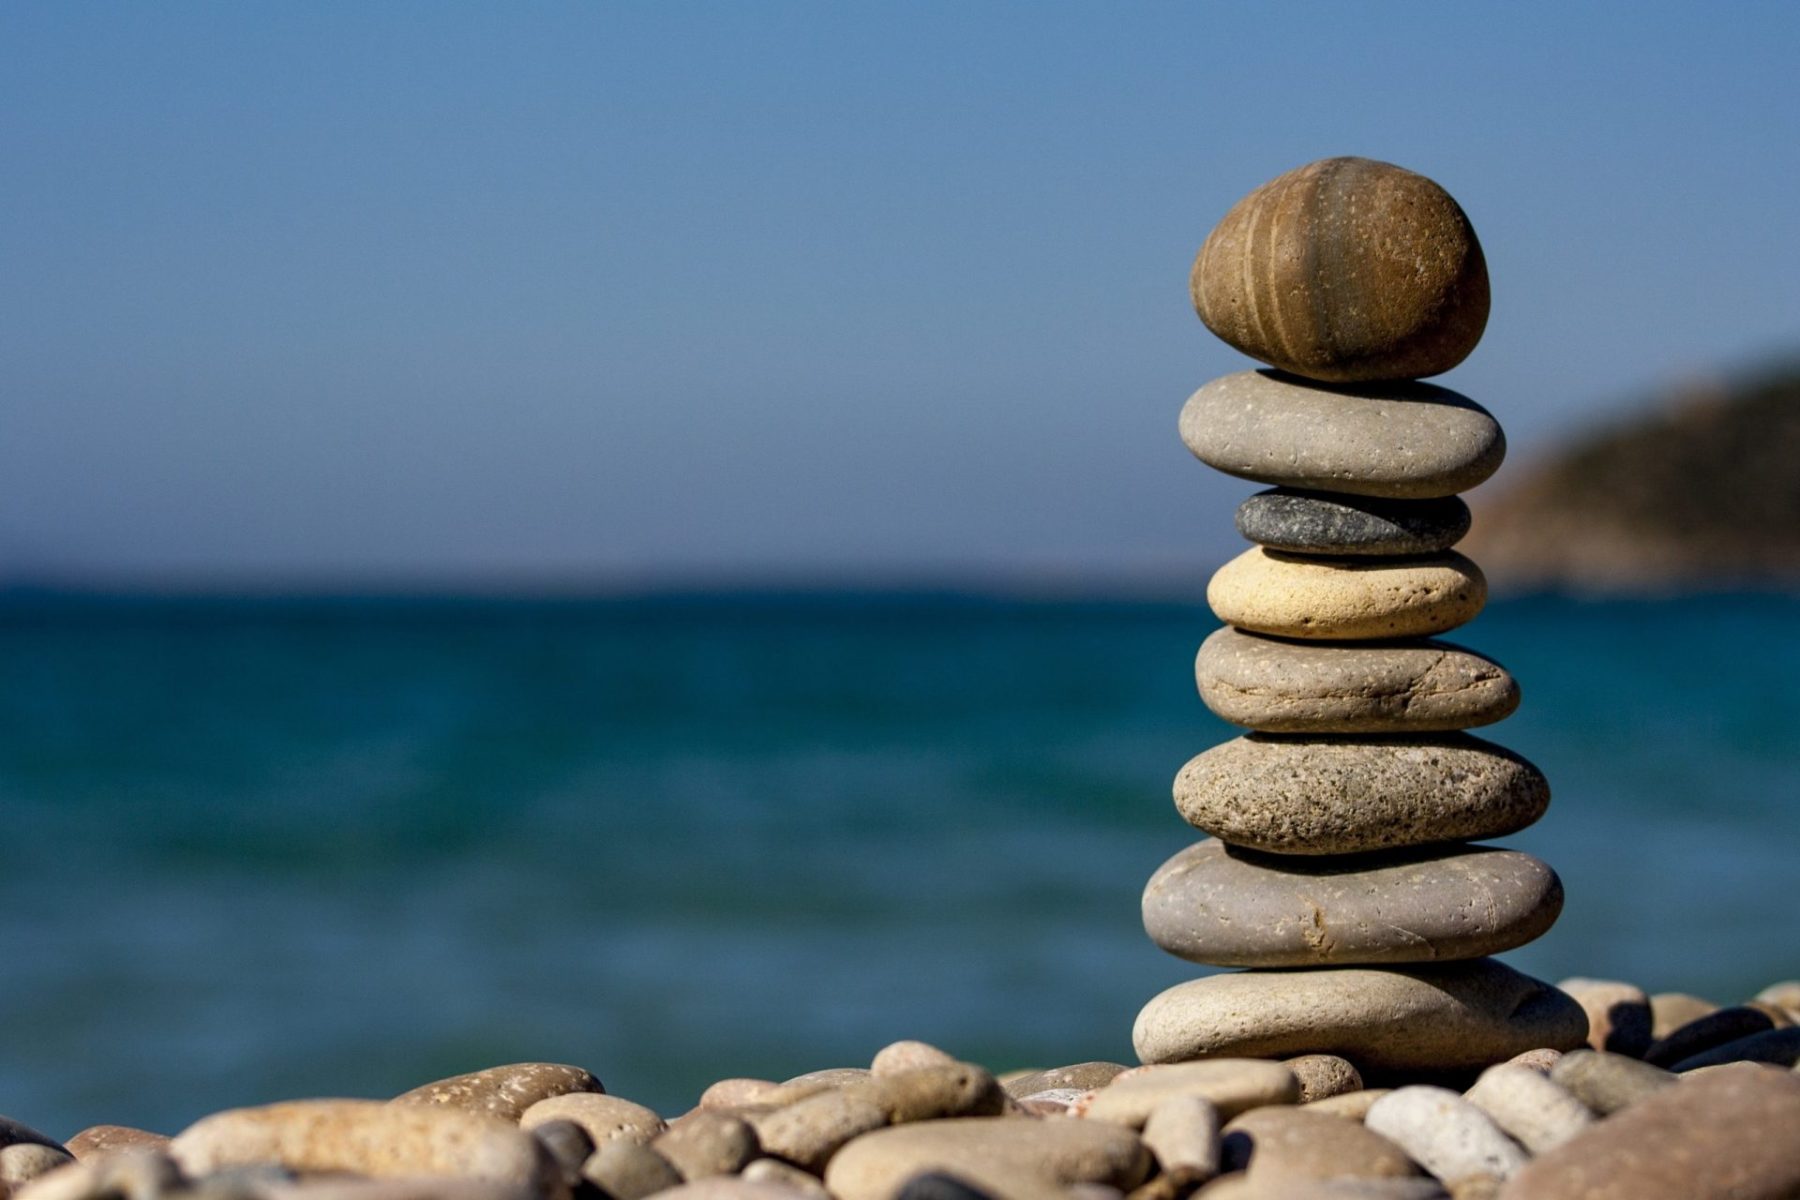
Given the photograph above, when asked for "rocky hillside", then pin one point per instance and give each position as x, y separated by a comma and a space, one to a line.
1701, 493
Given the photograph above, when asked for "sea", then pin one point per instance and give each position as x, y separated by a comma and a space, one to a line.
267, 848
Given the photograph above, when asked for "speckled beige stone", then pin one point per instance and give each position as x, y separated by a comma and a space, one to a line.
368, 1138
1345, 268
97, 1141
1352, 1106
1529, 1107
504, 1092
1322, 1076
1280, 686
1230, 1085
1437, 1018
1342, 795
1400, 441
1342, 599
990, 1152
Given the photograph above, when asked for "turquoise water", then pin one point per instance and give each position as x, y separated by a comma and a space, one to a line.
257, 850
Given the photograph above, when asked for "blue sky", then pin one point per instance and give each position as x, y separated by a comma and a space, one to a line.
614, 294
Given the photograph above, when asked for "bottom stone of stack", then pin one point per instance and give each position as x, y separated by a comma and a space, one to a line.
1230, 907
1442, 1017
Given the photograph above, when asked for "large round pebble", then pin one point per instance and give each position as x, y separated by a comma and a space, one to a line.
1337, 795
1445, 1134
504, 1092
1339, 524
1734, 1133
1346, 599
606, 1118
366, 1137
1345, 268
1277, 685
1437, 1018
989, 1152
1229, 907
1402, 441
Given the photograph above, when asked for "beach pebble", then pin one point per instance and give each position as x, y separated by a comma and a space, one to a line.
1399, 441
927, 1093
252, 1188
1297, 1146
1084, 1076
991, 1153
708, 1143
730, 1187
774, 1171
1322, 1076
1242, 1187
1232, 907
17, 1133
606, 1118
1230, 1085
1618, 1014
369, 1138
1445, 1134
1345, 268
504, 1092
941, 1185
1784, 995
1732, 1133
1183, 1133
1349, 796
1540, 1059
626, 1170
1280, 686
1607, 1083
1775, 1047
830, 1076
1352, 1106
1703, 1033
737, 1092
96, 1141
1669, 1011
1427, 1018
1338, 523
23, 1162
1534, 1111
567, 1143
1058, 1099
905, 1056
809, 1132
1346, 599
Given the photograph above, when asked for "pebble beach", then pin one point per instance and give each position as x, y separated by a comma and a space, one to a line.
1364, 1042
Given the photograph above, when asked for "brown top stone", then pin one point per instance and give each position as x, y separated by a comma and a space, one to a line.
1346, 269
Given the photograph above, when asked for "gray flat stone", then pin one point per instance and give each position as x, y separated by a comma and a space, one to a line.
1439, 1018
1408, 441
1278, 686
1236, 908
1336, 795
1337, 523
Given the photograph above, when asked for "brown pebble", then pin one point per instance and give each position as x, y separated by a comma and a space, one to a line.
1345, 269
905, 1056
1084, 1075
1323, 1075
1352, 1105
1540, 1060
808, 1133
626, 1170
1231, 1085
1295, 1146
1618, 1014
606, 1118
1607, 1083
504, 1092
98, 1140
735, 1093
830, 1076
708, 1143
1183, 1133
1669, 1011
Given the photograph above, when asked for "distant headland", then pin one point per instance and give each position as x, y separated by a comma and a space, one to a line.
1701, 493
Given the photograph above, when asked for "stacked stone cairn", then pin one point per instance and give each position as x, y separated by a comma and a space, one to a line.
1343, 868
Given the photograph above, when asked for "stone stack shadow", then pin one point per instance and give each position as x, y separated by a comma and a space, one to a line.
1343, 868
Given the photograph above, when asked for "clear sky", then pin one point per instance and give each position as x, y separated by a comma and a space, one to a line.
615, 293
